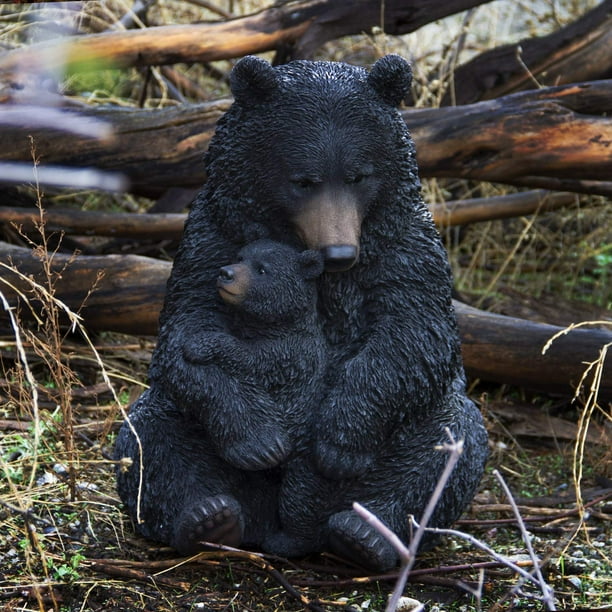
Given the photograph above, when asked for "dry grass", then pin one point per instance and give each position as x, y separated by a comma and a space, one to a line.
65, 543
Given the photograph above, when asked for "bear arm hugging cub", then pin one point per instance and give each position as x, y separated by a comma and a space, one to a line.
273, 346
315, 155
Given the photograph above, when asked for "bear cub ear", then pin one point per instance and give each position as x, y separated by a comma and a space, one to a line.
311, 264
390, 78
252, 80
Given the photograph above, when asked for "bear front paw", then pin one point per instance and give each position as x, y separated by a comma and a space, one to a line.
216, 520
259, 452
338, 463
208, 348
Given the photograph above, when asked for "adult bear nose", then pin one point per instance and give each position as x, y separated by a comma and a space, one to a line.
340, 257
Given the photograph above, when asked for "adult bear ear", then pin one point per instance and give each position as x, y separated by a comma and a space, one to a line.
391, 77
311, 264
252, 80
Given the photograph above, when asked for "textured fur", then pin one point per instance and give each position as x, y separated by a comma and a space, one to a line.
323, 137
273, 345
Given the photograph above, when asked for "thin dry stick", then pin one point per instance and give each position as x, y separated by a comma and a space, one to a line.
125, 416
408, 555
568, 329
585, 416
75, 323
519, 57
583, 425
31, 380
506, 262
259, 560
547, 592
527, 576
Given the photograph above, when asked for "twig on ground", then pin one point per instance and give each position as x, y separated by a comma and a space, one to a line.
31, 381
547, 592
484, 547
415, 575
134, 574
260, 561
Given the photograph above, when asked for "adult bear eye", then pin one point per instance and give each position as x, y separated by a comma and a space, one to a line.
261, 270
302, 182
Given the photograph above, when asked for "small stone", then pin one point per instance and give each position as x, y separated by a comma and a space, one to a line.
60, 469
46, 478
87, 486
404, 604
575, 582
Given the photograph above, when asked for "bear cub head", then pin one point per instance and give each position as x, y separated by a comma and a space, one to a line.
271, 282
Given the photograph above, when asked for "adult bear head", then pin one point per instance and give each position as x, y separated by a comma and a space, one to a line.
310, 150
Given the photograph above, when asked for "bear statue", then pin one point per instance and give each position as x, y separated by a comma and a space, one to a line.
273, 342
313, 155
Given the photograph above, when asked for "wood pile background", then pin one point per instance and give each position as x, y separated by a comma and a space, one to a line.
535, 115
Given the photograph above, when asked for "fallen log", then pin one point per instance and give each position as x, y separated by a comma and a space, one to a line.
509, 350
144, 226
462, 212
298, 26
557, 133
169, 226
127, 291
154, 149
603, 188
578, 52
129, 295
560, 132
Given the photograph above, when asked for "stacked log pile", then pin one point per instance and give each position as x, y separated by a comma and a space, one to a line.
537, 114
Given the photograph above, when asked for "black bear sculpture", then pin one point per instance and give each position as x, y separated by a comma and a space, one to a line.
313, 155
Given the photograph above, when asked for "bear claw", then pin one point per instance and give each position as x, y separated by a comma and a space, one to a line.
215, 520
353, 539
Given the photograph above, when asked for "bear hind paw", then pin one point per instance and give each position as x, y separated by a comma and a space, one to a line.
215, 520
353, 539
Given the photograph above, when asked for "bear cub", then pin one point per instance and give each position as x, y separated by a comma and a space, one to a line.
273, 346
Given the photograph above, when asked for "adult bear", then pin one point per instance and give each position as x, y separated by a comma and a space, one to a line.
313, 154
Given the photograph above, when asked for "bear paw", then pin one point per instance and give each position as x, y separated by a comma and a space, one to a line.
338, 463
259, 452
217, 520
353, 539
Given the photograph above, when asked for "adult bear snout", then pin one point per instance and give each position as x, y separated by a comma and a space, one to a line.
331, 223
340, 257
